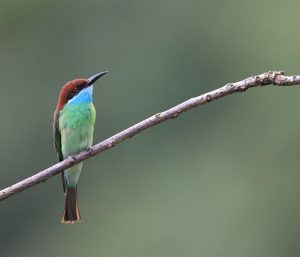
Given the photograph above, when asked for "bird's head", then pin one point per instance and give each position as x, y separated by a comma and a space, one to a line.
77, 90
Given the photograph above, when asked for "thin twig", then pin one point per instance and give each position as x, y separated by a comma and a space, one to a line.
268, 78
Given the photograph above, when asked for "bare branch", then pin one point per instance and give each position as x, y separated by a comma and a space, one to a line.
268, 78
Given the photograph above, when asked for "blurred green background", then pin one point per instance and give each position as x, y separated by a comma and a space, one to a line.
221, 180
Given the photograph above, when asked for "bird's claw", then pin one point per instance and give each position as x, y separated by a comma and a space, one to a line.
73, 158
90, 150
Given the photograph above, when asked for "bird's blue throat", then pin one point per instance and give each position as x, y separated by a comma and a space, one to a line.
84, 96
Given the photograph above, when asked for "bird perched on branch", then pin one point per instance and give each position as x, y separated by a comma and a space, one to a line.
73, 128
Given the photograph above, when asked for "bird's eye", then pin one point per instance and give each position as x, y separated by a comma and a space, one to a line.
76, 89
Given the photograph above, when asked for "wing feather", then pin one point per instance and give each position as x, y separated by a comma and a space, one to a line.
57, 143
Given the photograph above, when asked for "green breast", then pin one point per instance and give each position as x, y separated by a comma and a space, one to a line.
76, 125
77, 115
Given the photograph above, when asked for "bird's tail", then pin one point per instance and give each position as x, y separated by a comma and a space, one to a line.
71, 213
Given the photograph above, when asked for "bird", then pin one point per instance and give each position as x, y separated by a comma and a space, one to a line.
73, 127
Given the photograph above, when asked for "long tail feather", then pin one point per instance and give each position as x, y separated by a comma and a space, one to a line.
71, 213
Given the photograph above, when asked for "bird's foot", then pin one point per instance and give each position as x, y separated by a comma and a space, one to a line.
90, 150
73, 158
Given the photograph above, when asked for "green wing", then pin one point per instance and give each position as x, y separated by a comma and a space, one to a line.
57, 143
57, 137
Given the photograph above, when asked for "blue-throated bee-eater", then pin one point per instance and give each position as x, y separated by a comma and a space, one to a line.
73, 128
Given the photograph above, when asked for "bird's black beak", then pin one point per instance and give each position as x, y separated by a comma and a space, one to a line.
94, 78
